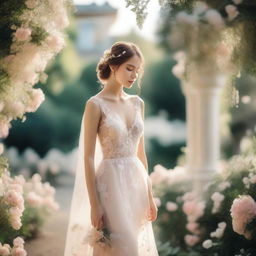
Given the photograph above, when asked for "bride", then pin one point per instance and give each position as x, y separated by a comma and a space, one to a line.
112, 204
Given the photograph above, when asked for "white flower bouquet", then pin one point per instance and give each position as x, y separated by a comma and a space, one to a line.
99, 237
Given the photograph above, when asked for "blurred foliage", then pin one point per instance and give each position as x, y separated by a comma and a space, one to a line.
162, 89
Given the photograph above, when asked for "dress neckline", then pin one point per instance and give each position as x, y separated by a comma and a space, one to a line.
128, 128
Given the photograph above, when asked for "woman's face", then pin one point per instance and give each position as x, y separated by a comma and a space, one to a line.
128, 72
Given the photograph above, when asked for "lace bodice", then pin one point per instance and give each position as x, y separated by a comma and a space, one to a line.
116, 139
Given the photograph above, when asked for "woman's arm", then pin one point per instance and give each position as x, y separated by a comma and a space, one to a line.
91, 121
141, 151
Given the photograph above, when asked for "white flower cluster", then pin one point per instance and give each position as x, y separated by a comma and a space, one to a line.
199, 39
218, 233
39, 194
217, 199
34, 43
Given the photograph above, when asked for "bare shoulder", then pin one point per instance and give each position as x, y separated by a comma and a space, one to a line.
92, 104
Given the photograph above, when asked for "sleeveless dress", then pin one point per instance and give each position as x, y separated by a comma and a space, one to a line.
121, 182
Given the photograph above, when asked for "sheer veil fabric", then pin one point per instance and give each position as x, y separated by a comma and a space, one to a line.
80, 213
121, 181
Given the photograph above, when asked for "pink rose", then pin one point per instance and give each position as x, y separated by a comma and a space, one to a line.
19, 252
214, 18
18, 242
170, 206
243, 210
33, 199
191, 240
4, 129
193, 227
55, 42
231, 11
4, 251
37, 97
13, 197
22, 34
158, 175
31, 4
193, 209
16, 223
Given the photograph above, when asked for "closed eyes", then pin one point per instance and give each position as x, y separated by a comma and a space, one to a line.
133, 67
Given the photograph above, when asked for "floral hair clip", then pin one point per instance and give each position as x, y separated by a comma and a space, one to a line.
119, 55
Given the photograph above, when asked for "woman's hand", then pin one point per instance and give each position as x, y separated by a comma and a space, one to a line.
97, 216
152, 209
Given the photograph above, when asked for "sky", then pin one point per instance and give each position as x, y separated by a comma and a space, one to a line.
126, 19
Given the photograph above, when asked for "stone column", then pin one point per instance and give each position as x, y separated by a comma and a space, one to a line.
202, 115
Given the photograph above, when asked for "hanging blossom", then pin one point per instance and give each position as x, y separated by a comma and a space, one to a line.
36, 39
199, 41
217, 199
218, 233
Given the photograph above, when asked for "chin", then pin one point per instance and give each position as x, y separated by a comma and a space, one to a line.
128, 86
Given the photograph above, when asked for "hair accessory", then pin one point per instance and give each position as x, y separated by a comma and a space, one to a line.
119, 55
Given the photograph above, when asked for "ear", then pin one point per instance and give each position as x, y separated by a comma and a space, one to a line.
112, 68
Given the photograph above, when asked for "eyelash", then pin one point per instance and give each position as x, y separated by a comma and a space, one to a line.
132, 70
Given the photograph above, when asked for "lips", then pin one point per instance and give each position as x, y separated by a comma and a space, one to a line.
130, 81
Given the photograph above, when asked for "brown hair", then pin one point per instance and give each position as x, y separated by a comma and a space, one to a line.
119, 53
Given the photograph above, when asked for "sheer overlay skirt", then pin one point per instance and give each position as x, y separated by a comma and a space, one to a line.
122, 188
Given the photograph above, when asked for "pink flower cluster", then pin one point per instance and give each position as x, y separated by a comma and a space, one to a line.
22, 34
191, 240
13, 197
39, 194
194, 209
243, 211
168, 176
17, 250
26, 64
171, 206
15, 191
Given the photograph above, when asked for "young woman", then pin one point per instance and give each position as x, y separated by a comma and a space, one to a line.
114, 195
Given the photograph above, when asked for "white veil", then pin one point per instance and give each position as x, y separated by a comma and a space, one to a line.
80, 213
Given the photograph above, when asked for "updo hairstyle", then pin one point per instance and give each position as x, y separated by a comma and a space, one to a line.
119, 53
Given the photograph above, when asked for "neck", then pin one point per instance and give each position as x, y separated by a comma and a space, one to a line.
114, 89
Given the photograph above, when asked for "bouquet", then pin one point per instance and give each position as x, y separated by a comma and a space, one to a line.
99, 237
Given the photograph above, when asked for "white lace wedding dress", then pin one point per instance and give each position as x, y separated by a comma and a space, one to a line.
121, 182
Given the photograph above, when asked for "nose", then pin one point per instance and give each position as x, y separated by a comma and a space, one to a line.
134, 75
